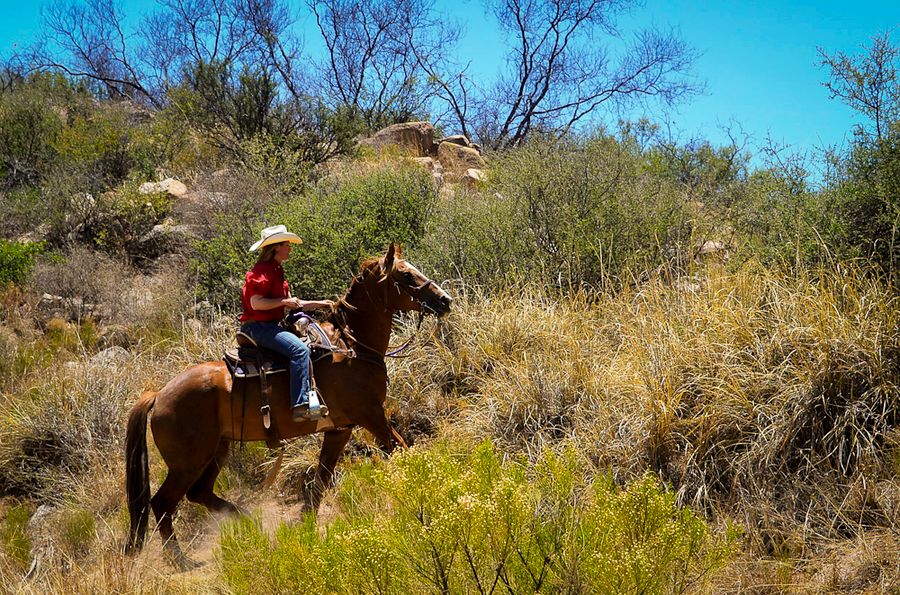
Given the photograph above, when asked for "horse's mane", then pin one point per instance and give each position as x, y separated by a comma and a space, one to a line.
365, 266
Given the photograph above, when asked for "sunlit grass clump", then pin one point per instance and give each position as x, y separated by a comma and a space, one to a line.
757, 395
446, 520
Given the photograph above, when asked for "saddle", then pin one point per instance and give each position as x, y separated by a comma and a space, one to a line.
249, 360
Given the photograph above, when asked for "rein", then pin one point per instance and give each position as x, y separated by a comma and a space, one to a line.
345, 327
396, 352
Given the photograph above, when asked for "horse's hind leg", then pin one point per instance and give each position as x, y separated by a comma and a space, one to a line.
332, 446
164, 503
201, 492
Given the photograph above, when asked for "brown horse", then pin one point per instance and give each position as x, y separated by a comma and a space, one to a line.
195, 416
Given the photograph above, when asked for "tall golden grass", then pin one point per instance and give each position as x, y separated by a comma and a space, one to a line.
763, 398
766, 398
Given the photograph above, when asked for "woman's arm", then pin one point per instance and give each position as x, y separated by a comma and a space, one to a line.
307, 305
258, 302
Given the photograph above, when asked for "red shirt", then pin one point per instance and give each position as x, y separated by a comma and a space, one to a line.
266, 279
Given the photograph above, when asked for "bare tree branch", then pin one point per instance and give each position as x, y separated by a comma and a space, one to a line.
867, 83
382, 56
559, 72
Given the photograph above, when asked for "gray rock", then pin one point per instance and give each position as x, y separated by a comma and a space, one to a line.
111, 357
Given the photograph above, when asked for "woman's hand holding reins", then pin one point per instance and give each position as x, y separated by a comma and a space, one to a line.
292, 303
317, 305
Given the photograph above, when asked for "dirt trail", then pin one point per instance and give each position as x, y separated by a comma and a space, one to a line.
200, 547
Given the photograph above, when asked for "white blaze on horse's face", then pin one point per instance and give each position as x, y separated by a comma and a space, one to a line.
417, 292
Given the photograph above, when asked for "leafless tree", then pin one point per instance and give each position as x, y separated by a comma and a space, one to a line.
278, 49
182, 33
373, 51
566, 59
867, 83
88, 38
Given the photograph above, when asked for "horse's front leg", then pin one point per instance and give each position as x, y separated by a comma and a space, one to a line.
332, 447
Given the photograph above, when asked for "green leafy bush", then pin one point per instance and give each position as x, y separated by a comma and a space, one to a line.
441, 520
17, 260
349, 219
341, 222
868, 202
32, 114
567, 213
242, 113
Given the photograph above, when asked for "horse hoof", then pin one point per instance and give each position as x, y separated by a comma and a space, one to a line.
185, 564
179, 559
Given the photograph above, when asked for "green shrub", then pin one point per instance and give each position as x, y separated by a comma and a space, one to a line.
567, 213
29, 123
442, 520
350, 219
97, 142
79, 529
14, 538
341, 222
221, 261
126, 215
17, 260
868, 202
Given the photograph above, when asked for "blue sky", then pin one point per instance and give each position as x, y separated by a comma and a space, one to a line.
758, 59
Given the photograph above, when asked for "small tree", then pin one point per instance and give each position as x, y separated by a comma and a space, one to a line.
867, 192
563, 64
867, 83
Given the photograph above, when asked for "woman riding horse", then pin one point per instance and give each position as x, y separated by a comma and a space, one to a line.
264, 297
196, 415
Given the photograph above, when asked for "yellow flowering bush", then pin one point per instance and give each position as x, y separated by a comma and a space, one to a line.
447, 520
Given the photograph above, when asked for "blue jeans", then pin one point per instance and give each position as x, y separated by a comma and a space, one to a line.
273, 337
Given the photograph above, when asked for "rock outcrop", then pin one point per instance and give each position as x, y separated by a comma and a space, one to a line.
414, 138
459, 158
170, 185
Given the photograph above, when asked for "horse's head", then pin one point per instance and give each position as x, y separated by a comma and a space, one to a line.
406, 288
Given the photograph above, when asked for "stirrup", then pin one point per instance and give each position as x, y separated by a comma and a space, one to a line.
317, 407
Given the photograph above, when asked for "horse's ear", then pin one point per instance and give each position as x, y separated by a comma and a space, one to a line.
389, 259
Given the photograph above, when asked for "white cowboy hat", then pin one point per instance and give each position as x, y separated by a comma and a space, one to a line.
275, 235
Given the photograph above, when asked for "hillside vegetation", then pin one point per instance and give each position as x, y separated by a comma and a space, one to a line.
665, 370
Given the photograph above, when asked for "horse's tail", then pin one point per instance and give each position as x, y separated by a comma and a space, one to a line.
137, 471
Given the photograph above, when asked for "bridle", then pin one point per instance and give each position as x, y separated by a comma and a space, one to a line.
410, 291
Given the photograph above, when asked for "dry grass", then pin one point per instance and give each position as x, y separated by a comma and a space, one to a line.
770, 400
763, 399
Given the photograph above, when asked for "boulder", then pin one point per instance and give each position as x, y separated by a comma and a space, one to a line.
457, 139
180, 233
170, 185
473, 177
111, 357
713, 249
426, 162
38, 234
166, 238
416, 138
453, 156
